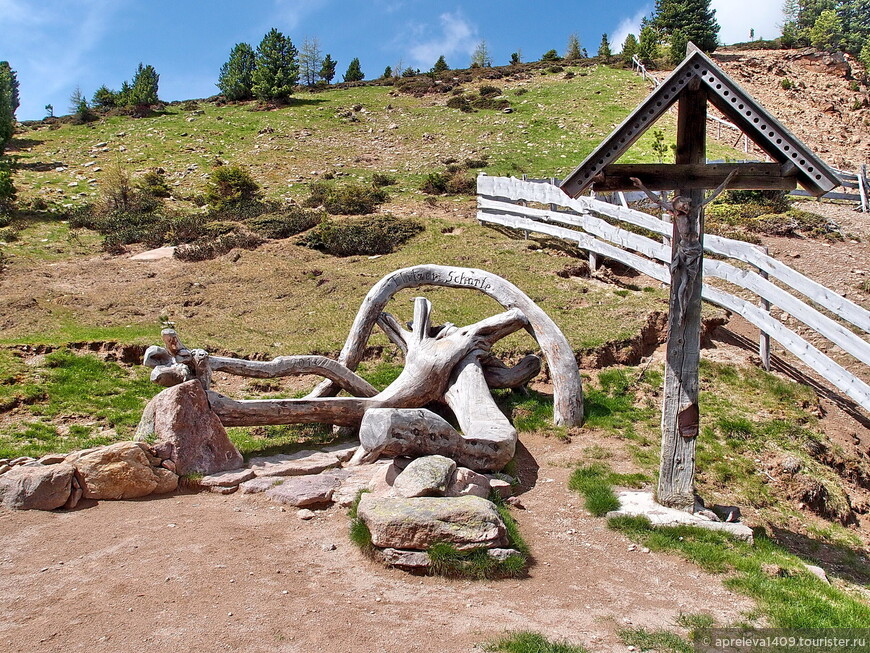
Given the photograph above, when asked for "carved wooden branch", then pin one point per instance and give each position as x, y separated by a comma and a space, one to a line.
428, 366
568, 394
296, 366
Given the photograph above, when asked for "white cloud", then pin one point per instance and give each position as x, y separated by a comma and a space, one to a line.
737, 17
457, 37
289, 13
628, 25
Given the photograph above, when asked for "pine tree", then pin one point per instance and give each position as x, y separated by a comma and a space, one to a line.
7, 112
237, 75
277, 70
104, 97
388, 72
827, 32
572, 52
143, 88
327, 70
550, 55
440, 65
648, 47
354, 73
4, 66
310, 61
49, 110
694, 18
604, 48
679, 43
481, 57
855, 17
629, 48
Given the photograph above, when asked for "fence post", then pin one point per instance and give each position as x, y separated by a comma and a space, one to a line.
764, 339
862, 188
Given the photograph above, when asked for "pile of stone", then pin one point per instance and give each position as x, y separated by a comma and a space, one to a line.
413, 505
124, 470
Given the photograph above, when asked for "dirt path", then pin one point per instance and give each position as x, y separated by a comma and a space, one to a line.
210, 572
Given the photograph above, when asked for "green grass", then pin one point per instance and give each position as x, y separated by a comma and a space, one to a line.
612, 405
595, 483
359, 533
66, 399
285, 438
788, 595
662, 641
529, 642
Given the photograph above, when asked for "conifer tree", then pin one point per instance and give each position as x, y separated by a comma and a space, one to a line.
327, 70
7, 105
481, 57
237, 75
695, 18
604, 48
679, 44
310, 61
827, 32
648, 47
104, 97
629, 48
143, 88
388, 72
277, 70
572, 52
5, 67
440, 65
354, 73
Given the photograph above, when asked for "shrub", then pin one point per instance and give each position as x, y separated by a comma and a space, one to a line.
488, 90
7, 190
347, 199
455, 181
380, 180
204, 249
369, 235
295, 220
229, 185
490, 102
154, 183
460, 102
786, 84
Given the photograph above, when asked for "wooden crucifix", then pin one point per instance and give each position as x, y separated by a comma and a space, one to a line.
694, 83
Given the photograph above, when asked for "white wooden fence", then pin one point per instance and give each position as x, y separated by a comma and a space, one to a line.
594, 226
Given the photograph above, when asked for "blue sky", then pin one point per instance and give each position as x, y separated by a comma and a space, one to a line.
57, 45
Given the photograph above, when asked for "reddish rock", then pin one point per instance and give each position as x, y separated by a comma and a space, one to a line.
118, 471
301, 491
199, 442
40, 487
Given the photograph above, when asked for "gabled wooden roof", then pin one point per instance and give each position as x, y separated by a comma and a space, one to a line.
738, 106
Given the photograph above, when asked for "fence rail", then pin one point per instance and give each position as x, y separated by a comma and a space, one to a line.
595, 227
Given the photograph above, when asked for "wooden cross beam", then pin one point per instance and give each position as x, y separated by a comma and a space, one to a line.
692, 176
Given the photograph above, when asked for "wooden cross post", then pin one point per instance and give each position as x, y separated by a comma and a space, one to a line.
680, 418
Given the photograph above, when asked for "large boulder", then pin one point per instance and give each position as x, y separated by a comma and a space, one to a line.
417, 523
428, 476
188, 432
118, 471
38, 487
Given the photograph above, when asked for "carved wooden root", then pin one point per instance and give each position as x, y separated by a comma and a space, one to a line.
567, 388
428, 365
487, 441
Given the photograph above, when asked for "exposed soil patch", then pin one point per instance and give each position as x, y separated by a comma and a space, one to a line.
236, 572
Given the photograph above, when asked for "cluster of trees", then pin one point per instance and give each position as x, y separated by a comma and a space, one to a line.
8, 103
140, 91
272, 70
828, 25
674, 23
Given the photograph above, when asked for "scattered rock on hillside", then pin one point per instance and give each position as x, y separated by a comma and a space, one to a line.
302, 491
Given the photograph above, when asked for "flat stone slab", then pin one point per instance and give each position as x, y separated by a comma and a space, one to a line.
305, 491
344, 451
230, 478
411, 560
155, 254
417, 523
642, 504
300, 463
260, 484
